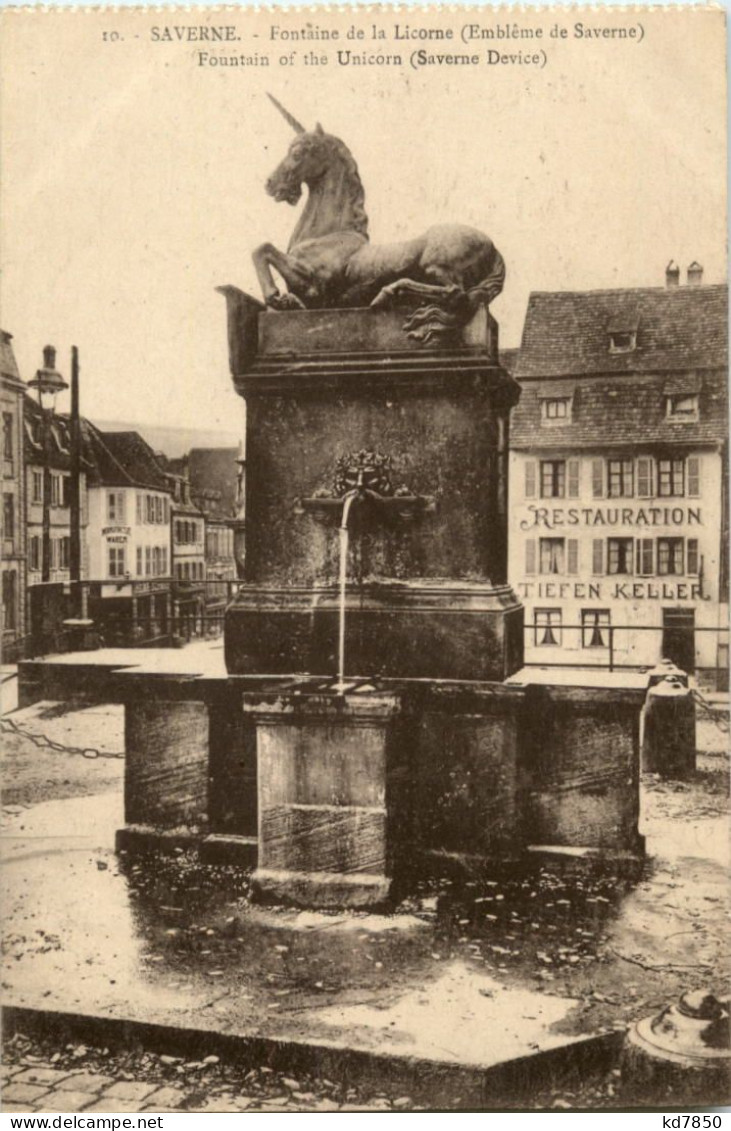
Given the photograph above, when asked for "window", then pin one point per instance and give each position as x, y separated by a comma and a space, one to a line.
692, 564
597, 557
34, 550
645, 477
619, 555
65, 491
8, 436
622, 341
621, 479
547, 627
670, 477
669, 556
683, 406
36, 486
557, 409
156, 561
148, 561
116, 561
597, 478
165, 560
139, 557
595, 628
115, 508
645, 564
10, 600
150, 508
553, 479
158, 508
56, 490
64, 552
8, 517
140, 507
552, 555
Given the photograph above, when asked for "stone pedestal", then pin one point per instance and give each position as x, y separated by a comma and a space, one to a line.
166, 764
427, 593
326, 764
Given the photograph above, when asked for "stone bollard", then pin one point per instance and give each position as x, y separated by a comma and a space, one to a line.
681, 1056
668, 742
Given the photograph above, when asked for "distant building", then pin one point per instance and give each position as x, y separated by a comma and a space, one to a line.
618, 477
189, 557
14, 527
214, 475
59, 458
128, 536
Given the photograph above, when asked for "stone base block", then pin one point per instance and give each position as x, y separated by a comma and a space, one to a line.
322, 889
137, 840
237, 850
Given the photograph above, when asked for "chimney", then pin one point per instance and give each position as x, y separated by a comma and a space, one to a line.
672, 274
49, 356
695, 274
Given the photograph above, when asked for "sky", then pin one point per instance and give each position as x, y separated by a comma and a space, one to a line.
133, 179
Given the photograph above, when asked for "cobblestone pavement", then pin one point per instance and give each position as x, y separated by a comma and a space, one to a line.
35, 1078
77, 1078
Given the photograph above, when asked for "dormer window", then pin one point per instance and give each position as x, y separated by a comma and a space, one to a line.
622, 333
683, 406
557, 408
681, 397
623, 341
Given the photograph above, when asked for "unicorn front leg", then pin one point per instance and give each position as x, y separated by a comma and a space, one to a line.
296, 277
412, 287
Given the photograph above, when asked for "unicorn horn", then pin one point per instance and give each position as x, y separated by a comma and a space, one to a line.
300, 129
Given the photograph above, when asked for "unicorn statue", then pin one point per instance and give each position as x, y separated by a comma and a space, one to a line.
331, 263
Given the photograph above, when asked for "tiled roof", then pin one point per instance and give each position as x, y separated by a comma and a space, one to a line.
60, 445
8, 364
213, 473
566, 333
626, 409
123, 459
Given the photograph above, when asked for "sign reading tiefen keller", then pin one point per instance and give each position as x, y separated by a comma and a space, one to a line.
613, 590
550, 517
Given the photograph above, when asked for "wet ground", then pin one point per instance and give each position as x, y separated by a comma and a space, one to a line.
473, 973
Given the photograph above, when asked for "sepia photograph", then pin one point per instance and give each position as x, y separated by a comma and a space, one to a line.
365, 565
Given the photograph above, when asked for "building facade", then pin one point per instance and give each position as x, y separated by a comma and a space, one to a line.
214, 475
189, 560
59, 459
128, 537
14, 527
618, 478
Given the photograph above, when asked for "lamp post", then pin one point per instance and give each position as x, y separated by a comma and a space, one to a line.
48, 383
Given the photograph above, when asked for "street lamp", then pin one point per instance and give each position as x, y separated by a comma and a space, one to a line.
48, 383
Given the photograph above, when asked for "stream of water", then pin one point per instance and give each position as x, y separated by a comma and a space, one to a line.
343, 577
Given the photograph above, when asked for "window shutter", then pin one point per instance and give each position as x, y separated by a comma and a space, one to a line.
597, 478
645, 477
530, 555
139, 548
573, 478
140, 516
597, 556
572, 555
530, 479
122, 507
693, 472
692, 561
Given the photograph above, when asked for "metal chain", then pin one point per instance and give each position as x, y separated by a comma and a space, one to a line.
708, 711
42, 741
